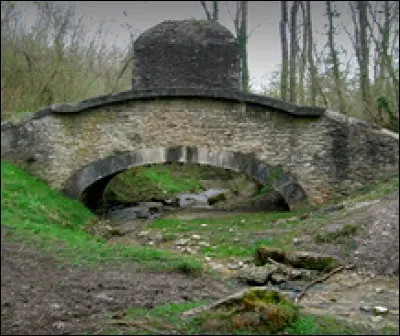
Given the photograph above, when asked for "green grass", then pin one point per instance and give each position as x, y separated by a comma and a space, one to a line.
375, 190
39, 215
146, 183
221, 233
325, 325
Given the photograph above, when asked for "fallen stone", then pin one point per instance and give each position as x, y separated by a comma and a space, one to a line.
302, 274
203, 244
234, 266
144, 233
196, 237
277, 278
313, 261
256, 275
181, 242
380, 310
298, 259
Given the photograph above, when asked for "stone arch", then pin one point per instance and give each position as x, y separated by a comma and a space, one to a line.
102, 171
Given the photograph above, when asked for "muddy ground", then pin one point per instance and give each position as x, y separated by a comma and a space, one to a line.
39, 296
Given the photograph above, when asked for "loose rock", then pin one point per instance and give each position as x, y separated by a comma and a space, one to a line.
181, 242
380, 310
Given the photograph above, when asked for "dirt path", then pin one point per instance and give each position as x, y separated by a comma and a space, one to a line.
40, 297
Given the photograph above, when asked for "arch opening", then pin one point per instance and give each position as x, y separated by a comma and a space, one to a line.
88, 183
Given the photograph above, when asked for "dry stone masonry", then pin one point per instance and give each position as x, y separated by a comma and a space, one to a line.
181, 114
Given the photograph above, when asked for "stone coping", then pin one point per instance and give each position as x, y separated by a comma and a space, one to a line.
214, 93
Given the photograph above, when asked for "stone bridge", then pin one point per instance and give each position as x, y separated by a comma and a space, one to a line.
178, 113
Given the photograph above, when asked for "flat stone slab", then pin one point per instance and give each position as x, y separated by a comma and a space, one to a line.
297, 259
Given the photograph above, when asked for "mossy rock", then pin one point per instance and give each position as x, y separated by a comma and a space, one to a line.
259, 310
312, 261
298, 259
265, 252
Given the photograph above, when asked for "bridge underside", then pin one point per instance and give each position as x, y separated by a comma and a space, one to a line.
100, 172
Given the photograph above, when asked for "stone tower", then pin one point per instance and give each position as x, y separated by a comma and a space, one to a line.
187, 53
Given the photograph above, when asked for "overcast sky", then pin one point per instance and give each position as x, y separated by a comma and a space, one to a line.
264, 16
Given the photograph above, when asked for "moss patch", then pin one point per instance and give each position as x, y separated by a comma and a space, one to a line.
264, 311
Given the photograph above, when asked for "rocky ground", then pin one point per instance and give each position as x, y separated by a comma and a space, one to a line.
40, 297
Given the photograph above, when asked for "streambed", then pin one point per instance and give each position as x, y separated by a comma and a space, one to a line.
349, 295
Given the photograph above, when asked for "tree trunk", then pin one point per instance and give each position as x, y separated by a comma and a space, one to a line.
211, 16
240, 24
313, 89
285, 52
243, 45
293, 53
334, 59
216, 11
364, 56
303, 59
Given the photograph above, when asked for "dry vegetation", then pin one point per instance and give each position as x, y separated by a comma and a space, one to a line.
57, 59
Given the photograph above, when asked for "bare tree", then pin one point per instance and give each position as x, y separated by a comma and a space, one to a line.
293, 53
303, 55
310, 57
362, 7
385, 77
331, 13
240, 22
214, 15
285, 52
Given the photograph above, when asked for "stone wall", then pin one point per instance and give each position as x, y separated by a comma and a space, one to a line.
327, 155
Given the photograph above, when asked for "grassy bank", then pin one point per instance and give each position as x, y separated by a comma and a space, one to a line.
39, 215
147, 183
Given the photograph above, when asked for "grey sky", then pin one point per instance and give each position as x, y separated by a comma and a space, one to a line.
264, 16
